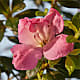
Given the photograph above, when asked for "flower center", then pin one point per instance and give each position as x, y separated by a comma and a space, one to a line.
40, 39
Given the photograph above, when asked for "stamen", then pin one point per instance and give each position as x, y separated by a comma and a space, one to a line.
37, 38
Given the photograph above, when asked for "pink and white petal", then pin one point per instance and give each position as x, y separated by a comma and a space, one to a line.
57, 48
25, 57
55, 19
24, 34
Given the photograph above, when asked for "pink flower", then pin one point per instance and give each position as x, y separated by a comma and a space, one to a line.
40, 37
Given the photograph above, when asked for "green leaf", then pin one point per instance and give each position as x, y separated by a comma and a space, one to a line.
71, 39
18, 7
70, 3
53, 75
76, 60
2, 30
40, 13
61, 67
75, 52
28, 13
16, 2
76, 74
12, 23
68, 31
76, 45
70, 26
13, 39
53, 62
68, 15
76, 20
69, 64
4, 6
6, 63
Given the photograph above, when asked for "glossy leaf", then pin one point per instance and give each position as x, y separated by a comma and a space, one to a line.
69, 64
13, 39
71, 39
76, 20
70, 3
68, 31
70, 25
40, 13
75, 52
76, 60
28, 13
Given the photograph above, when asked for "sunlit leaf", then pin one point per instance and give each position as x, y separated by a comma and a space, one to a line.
70, 3
71, 39
69, 64
75, 52
76, 20
70, 25
40, 13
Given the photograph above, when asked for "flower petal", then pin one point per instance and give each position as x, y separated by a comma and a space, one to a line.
57, 48
56, 20
25, 57
24, 34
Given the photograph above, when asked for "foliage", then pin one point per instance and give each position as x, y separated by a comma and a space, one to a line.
67, 67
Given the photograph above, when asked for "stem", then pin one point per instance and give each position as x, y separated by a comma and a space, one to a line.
53, 3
